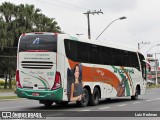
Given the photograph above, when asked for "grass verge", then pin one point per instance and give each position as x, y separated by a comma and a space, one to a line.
7, 90
154, 86
8, 97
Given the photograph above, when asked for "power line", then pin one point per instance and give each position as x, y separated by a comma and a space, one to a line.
63, 4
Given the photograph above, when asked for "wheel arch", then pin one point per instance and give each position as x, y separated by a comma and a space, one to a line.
88, 88
99, 88
138, 88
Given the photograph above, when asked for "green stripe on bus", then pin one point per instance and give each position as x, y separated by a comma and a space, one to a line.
43, 82
126, 84
73, 38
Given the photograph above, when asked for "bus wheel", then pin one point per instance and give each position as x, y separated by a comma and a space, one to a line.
85, 98
94, 98
108, 99
46, 103
61, 102
135, 97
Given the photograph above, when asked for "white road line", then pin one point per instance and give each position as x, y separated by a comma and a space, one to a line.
104, 108
52, 115
85, 110
136, 102
122, 105
153, 99
12, 107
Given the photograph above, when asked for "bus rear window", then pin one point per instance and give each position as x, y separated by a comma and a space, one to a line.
38, 42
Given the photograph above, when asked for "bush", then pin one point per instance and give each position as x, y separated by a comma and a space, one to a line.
2, 82
13, 82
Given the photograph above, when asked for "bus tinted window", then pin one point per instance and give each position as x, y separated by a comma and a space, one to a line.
38, 42
94, 54
71, 49
106, 55
143, 65
82, 52
134, 61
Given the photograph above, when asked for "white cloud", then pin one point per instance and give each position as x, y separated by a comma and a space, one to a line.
142, 23
111, 5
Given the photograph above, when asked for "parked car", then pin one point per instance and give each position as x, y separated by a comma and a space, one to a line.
150, 82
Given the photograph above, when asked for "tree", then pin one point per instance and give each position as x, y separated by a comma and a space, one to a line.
14, 21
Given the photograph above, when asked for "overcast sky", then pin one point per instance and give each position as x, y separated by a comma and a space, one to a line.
142, 23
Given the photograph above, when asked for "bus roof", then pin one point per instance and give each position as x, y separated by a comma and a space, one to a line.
91, 41
106, 44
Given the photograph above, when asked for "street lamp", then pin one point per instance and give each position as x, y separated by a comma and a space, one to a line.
121, 18
78, 34
152, 47
143, 43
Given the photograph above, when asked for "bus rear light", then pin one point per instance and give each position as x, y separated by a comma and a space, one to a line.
17, 79
57, 82
23, 35
36, 51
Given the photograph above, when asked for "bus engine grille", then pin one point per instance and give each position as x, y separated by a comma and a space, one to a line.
37, 64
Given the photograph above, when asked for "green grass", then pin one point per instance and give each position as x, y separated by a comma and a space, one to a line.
8, 97
7, 90
154, 86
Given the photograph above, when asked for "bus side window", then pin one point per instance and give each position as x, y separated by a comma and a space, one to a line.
143, 65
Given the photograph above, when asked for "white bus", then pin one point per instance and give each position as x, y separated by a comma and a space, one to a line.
61, 68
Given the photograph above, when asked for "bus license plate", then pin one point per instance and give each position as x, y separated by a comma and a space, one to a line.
35, 94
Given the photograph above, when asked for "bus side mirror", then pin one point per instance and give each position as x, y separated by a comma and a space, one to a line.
149, 65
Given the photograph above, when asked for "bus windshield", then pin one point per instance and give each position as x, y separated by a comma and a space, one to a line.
38, 42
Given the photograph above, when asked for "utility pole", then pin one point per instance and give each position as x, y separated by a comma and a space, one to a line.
143, 43
156, 67
88, 13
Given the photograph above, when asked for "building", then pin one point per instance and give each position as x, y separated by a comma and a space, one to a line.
154, 65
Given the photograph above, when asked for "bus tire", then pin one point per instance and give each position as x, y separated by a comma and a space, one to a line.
94, 98
85, 98
135, 97
47, 103
61, 102
108, 99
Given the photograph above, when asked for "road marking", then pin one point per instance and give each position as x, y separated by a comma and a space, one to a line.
85, 110
122, 105
58, 114
12, 107
153, 99
136, 102
104, 108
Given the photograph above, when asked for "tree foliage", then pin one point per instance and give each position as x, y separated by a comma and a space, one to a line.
14, 21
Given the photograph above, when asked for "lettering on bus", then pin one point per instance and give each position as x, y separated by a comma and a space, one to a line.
120, 70
100, 72
36, 72
37, 54
50, 73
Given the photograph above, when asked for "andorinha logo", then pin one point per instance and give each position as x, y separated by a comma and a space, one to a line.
120, 70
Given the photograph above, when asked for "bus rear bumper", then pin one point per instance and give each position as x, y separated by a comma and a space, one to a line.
54, 95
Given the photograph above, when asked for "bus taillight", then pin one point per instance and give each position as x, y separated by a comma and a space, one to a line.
57, 82
17, 79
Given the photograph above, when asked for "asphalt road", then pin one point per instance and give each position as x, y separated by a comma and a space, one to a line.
116, 108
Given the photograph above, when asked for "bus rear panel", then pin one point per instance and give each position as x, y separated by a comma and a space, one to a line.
36, 73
